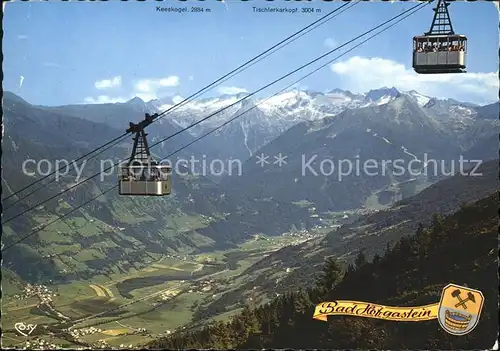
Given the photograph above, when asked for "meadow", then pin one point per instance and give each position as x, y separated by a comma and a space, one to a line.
160, 297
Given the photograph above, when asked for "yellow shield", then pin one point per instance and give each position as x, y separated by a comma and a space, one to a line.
459, 309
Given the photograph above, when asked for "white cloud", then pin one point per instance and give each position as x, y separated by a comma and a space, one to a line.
231, 90
103, 99
151, 85
191, 78
171, 81
145, 89
142, 86
108, 83
330, 43
361, 74
22, 37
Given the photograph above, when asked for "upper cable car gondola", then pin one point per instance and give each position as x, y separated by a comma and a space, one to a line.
142, 175
440, 50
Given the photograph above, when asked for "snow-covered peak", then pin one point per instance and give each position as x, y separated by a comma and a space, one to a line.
377, 94
302, 104
136, 101
380, 96
422, 100
232, 96
154, 104
293, 106
447, 104
138, 104
286, 99
340, 95
202, 105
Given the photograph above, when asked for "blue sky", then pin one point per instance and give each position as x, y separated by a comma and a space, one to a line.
64, 53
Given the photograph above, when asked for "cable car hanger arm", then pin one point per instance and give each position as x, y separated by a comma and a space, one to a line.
441, 20
137, 127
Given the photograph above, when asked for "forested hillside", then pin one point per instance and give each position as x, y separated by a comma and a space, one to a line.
460, 249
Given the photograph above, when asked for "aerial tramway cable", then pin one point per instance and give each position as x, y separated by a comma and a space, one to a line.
414, 9
236, 71
219, 81
169, 137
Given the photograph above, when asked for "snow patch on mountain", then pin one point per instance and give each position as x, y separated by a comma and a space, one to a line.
245, 129
422, 100
288, 108
380, 96
405, 150
262, 119
286, 99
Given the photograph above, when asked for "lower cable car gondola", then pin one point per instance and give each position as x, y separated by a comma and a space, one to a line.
142, 175
440, 50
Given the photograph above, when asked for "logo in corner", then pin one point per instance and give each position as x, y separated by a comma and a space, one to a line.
459, 309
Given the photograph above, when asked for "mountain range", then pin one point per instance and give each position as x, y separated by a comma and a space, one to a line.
221, 210
269, 117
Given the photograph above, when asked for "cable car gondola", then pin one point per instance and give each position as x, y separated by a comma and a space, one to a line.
142, 175
440, 50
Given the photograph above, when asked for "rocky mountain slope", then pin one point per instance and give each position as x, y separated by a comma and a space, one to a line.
339, 162
271, 116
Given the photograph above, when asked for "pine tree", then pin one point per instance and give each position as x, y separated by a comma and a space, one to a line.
437, 229
221, 336
360, 260
252, 322
423, 239
301, 302
388, 249
331, 275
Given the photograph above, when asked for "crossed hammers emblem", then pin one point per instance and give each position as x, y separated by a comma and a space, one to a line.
463, 302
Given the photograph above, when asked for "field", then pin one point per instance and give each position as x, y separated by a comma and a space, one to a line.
160, 297
395, 192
